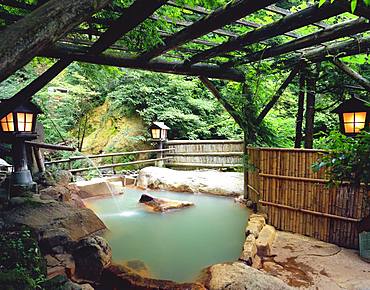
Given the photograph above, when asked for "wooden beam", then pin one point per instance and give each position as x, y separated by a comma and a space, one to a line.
311, 88
361, 8
219, 18
285, 12
203, 11
341, 49
129, 19
278, 94
22, 40
365, 83
333, 32
234, 114
288, 23
212, 71
300, 111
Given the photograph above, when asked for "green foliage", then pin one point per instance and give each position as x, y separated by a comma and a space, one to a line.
21, 263
348, 160
182, 103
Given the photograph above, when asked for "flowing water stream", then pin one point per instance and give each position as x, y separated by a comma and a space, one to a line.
175, 245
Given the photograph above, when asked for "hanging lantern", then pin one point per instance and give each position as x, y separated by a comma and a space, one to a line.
158, 131
354, 115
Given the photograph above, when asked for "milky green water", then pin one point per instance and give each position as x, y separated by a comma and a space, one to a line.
174, 245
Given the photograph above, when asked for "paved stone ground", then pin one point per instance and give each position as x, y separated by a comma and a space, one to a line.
307, 263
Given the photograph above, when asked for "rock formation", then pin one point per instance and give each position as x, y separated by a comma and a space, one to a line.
204, 181
163, 204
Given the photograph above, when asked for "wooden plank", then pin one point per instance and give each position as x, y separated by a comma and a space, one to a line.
288, 23
22, 40
219, 18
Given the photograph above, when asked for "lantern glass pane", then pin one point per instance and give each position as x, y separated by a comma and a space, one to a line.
360, 117
156, 133
354, 122
21, 121
7, 124
25, 121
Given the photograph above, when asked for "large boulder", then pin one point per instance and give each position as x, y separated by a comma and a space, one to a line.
238, 276
162, 204
45, 216
92, 255
52, 178
98, 187
204, 181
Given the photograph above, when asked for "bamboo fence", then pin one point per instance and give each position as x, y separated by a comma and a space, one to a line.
205, 153
299, 200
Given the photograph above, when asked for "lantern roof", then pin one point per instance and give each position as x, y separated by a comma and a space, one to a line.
159, 125
27, 107
354, 104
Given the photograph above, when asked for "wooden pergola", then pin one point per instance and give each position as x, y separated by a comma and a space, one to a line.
78, 31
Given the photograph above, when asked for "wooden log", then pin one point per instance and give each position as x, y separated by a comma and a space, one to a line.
236, 116
39, 159
300, 111
288, 23
331, 33
22, 40
219, 18
353, 74
212, 71
336, 50
50, 146
278, 94
130, 18
312, 77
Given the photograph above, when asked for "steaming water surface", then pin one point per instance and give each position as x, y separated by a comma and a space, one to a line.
178, 244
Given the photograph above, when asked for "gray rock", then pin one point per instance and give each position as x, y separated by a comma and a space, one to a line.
51, 239
238, 276
92, 255
204, 181
43, 217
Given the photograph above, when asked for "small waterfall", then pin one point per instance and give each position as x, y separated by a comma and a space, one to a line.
100, 174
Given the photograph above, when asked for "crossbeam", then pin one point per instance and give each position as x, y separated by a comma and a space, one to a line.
208, 70
331, 33
288, 23
219, 18
341, 49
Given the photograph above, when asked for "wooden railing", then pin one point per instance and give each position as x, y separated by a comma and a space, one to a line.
299, 200
205, 153
69, 162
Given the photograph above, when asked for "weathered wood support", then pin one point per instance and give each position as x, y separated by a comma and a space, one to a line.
234, 114
207, 70
333, 32
300, 111
22, 40
353, 74
219, 18
50, 146
288, 23
130, 18
278, 94
335, 50
312, 76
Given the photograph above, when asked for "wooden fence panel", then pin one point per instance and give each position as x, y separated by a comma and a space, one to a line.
205, 153
297, 199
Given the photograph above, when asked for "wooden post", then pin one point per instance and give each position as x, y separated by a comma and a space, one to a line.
300, 112
39, 159
312, 76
